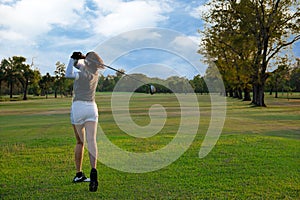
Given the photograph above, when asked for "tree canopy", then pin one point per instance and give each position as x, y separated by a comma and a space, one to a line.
244, 36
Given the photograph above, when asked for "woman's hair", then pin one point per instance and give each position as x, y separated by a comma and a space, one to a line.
94, 61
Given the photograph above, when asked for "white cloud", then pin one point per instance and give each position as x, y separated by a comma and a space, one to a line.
107, 6
201, 10
27, 19
196, 39
11, 35
50, 30
7, 1
25, 24
183, 42
151, 46
120, 16
141, 35
185, 45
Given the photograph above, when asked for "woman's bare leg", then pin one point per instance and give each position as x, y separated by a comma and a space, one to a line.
91, 131
79, 148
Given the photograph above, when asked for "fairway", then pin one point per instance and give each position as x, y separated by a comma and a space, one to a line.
256, 157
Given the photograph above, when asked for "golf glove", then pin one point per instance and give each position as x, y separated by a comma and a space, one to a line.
77, 55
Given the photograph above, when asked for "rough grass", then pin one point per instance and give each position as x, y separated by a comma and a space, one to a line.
256, 157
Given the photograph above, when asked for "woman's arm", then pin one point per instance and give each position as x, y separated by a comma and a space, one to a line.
70, 73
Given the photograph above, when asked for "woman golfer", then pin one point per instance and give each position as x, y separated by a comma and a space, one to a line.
84, 111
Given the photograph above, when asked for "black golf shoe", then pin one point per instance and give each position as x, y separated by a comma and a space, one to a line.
94, 180
80, 177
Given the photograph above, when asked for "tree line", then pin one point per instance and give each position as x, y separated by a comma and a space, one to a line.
245, 37
17, 77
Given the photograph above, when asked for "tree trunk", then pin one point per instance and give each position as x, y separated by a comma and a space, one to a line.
261, 97
240, 93
258, 95
25, 90
247, 96
11, 90
226, 93
231, 93
276, 89
42, 92
254, 88
236, 94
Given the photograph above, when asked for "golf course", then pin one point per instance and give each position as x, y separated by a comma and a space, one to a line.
256, 157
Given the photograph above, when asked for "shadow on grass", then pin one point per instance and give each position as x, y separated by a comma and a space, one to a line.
291, 134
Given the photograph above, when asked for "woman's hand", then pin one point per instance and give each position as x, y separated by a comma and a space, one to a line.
77, 55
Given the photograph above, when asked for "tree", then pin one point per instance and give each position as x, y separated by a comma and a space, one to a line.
212, 80
228, 46
269, 26
198, 84
45, 84
108, 83
280, 78
119, 75
13, 72
59, 80
295, 77
2, 73
34, 84
25, 76
179, 84
100, 83
272, 23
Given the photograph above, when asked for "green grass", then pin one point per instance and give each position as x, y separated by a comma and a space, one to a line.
256, 157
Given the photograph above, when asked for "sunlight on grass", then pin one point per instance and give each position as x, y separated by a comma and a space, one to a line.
256, 157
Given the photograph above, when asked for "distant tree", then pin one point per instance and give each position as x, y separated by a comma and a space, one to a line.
118, 75
108, 83
212, 79
46, 83
295, 77
69, 86
100, 83
280, 78
198, 83
26, 77
59, 79
3, 65
16, 72
13, 67
34, 86
178, 84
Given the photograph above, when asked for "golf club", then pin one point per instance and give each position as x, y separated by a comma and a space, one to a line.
152, 89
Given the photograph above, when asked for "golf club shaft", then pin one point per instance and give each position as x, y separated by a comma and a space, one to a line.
125, 74
119, 71
152, 89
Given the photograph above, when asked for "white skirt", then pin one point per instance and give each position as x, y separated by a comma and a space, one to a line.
83, 111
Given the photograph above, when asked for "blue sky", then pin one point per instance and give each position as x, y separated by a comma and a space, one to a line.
47, 31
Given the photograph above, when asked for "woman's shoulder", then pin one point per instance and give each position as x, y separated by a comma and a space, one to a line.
80, 64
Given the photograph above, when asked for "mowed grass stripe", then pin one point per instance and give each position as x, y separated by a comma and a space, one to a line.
255, 158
